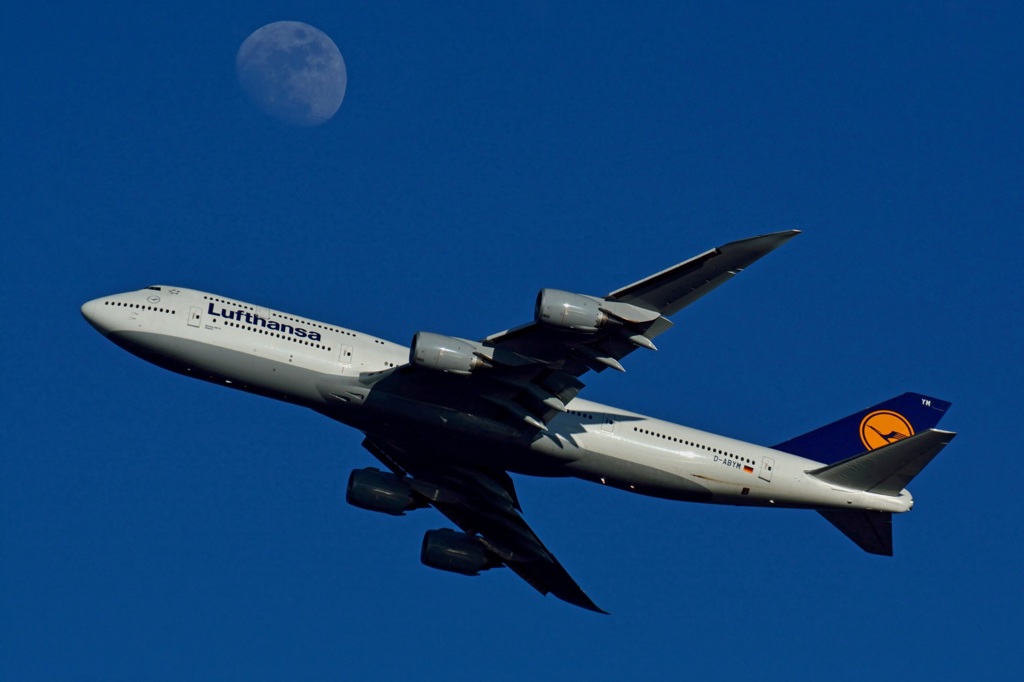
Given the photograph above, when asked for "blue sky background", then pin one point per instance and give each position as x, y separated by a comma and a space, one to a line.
154, 527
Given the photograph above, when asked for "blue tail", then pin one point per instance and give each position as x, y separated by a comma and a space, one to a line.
871, 428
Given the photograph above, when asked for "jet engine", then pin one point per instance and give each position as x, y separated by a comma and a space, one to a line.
450, 550
566, 310
445, 353
380, 491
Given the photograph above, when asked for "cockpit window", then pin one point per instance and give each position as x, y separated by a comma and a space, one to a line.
155, 288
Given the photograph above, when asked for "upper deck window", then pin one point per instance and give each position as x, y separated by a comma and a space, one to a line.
155, 288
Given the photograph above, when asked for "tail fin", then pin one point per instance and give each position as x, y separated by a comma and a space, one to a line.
871, 428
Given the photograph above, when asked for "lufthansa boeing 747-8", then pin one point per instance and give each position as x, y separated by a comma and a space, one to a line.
449, 418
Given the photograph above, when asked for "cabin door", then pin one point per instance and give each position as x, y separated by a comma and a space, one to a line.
345, 357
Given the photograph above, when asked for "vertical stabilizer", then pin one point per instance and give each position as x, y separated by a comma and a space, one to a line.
869, 429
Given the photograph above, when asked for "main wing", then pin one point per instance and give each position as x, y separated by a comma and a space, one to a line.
511, 384
534, 369
483, 503
520, 379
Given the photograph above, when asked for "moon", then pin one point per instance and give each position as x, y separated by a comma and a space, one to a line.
292, 72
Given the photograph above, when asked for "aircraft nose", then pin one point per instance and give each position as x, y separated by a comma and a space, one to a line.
91, 313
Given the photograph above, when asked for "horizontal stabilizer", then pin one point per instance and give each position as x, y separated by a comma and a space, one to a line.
871, 530
887, 470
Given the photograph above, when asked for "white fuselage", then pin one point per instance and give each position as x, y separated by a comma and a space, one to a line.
333, 370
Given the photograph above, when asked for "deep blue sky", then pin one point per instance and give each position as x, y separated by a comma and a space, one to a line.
155, 527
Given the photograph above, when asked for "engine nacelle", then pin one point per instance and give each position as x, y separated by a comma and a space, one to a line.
450, 550
380, 491
445, 353
567, 310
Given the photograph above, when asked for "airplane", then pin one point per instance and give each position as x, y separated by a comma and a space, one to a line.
450, 418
